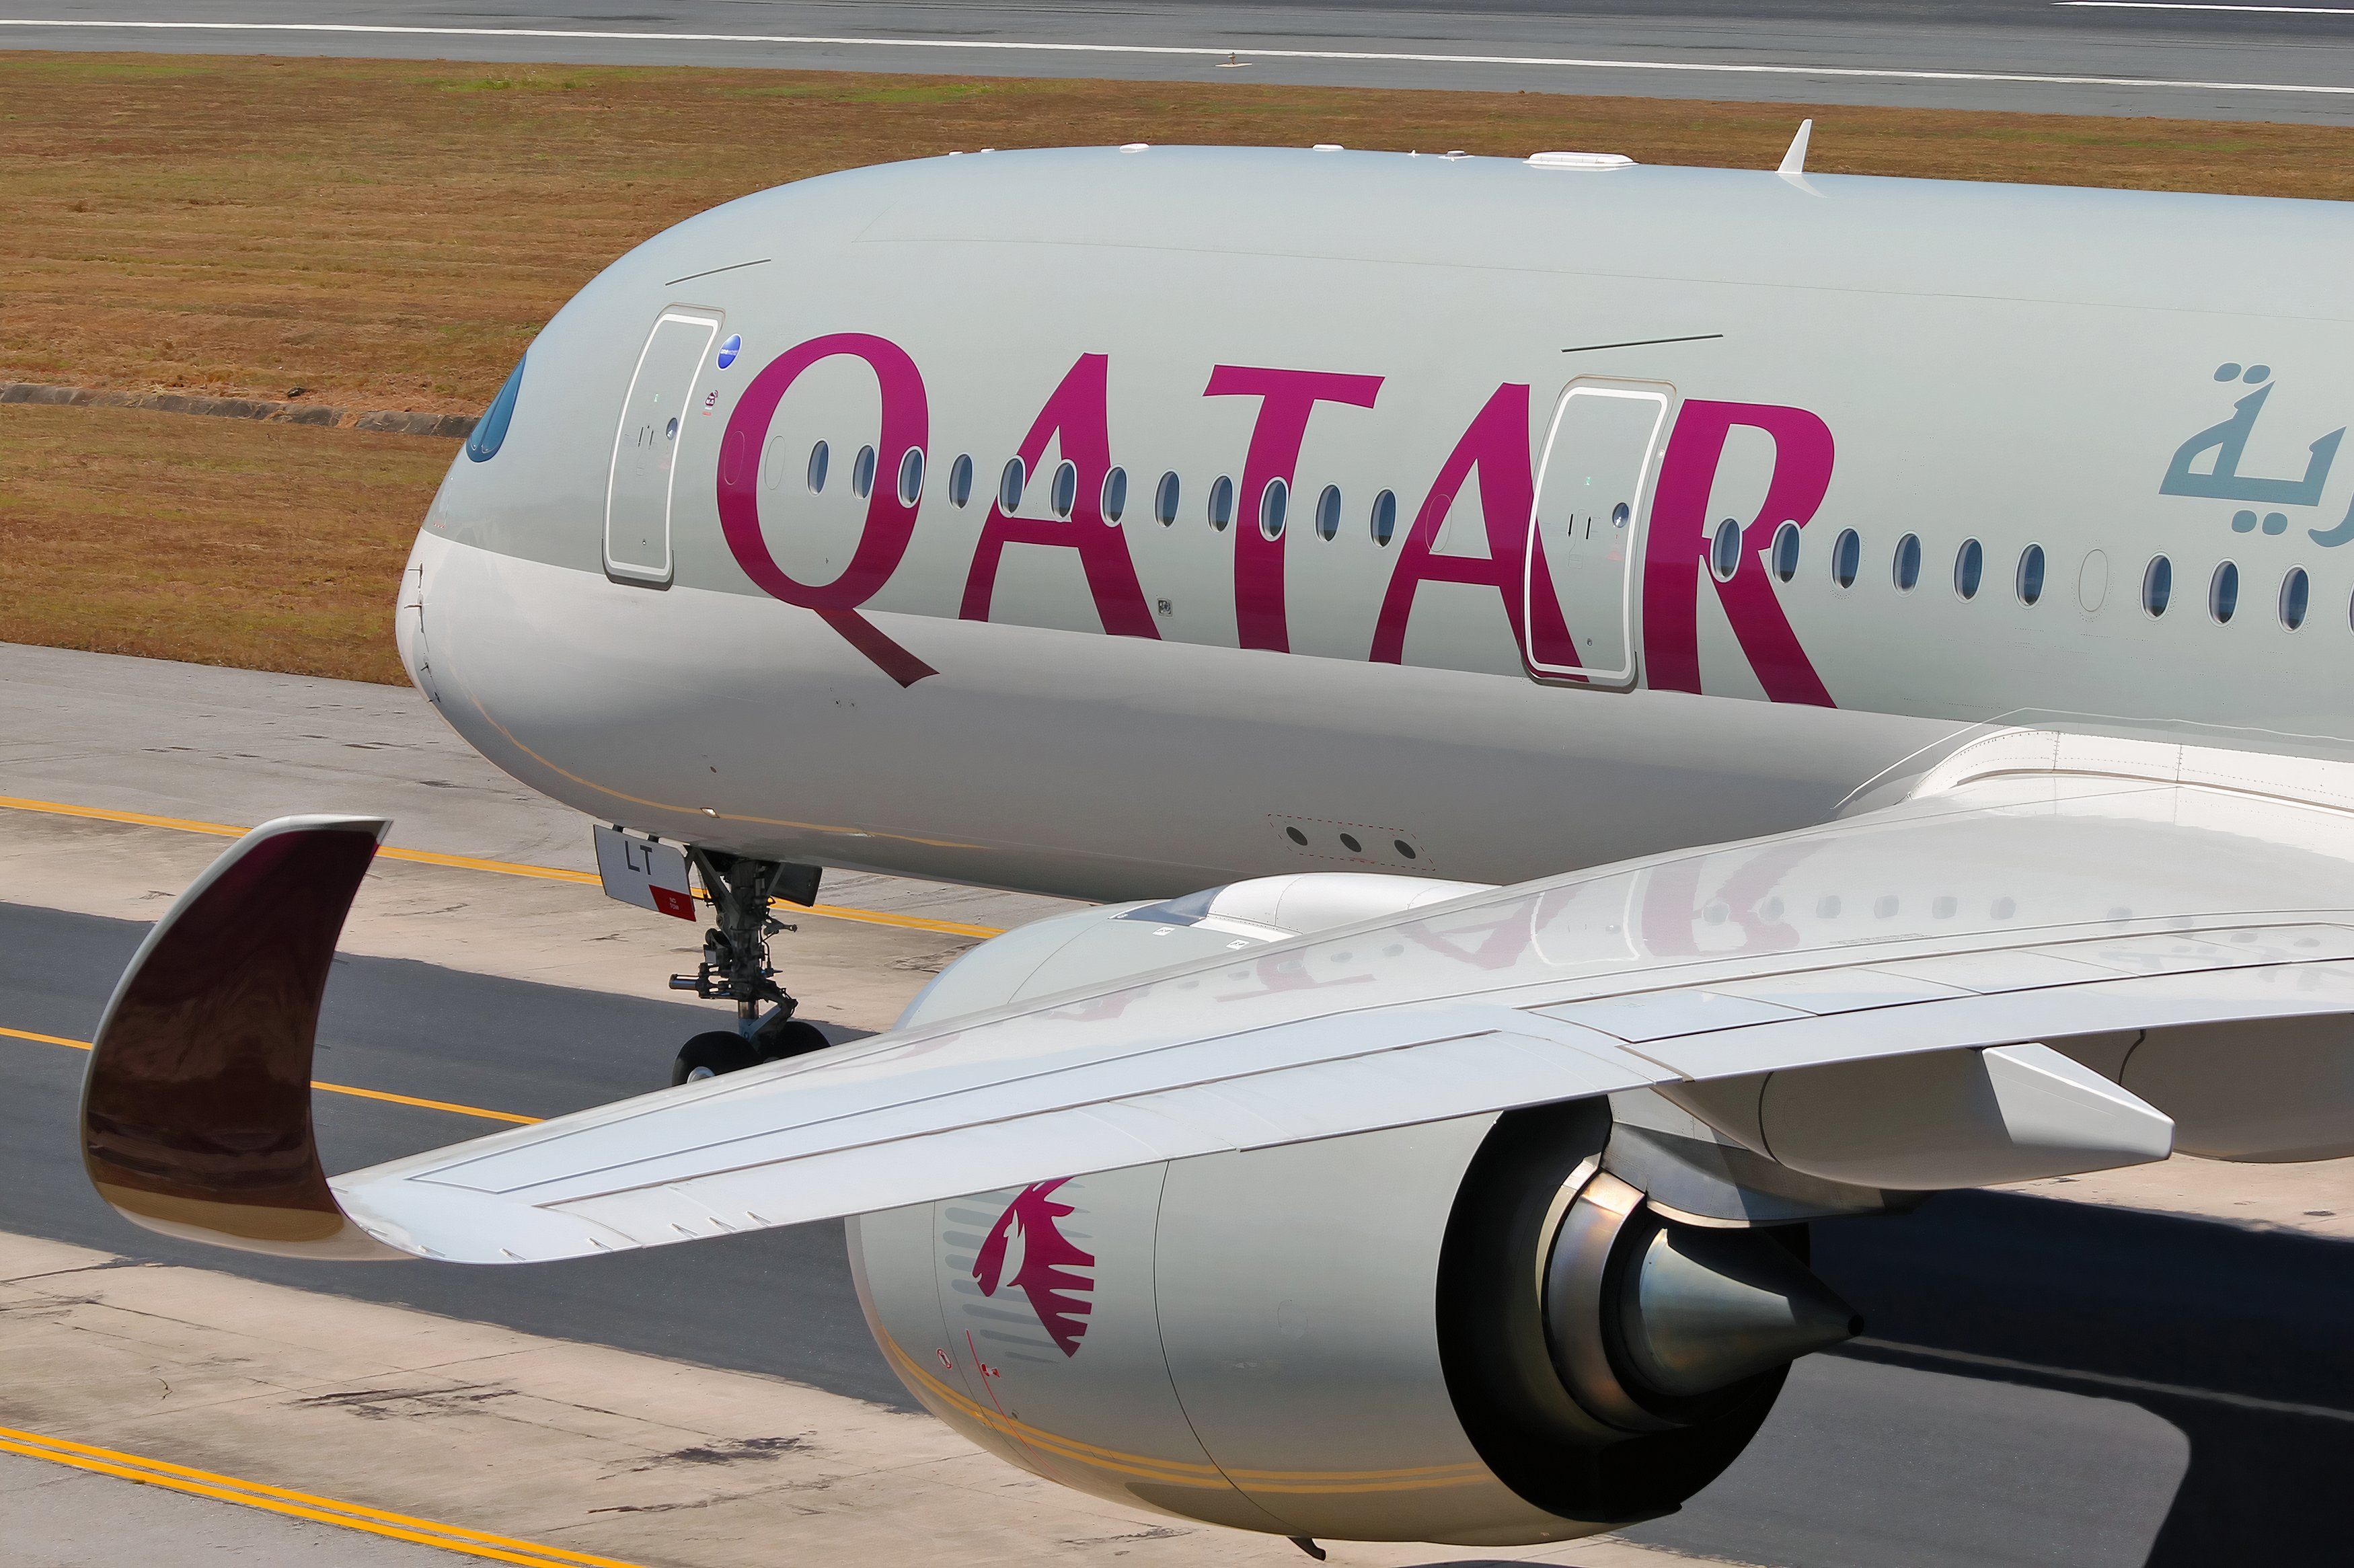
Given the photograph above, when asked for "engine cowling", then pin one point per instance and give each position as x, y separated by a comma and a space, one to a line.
1465, 1331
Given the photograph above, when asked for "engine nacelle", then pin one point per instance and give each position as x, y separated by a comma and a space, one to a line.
1465, 1331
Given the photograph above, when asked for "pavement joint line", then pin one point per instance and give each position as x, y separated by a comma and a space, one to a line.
499, 868
1722, 67
383, 1095
2105, 1380
296, 1504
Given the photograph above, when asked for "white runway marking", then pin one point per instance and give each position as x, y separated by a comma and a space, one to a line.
2186, 5
1352, 56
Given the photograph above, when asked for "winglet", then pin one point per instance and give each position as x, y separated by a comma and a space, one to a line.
195, 1113
1794, 162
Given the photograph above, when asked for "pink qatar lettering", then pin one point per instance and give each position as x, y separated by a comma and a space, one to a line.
890, 525
1287, 399
1674, 555
1049, 1259
1076, 415
1496, 449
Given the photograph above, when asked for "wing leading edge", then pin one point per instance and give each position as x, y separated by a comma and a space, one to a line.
1773, 988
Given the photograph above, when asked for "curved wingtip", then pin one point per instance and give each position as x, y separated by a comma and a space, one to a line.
196, 1112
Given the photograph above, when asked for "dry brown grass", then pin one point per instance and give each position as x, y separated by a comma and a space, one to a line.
267, 546
389, 234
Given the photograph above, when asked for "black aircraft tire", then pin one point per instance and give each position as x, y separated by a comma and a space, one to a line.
792, 1038
711, 1055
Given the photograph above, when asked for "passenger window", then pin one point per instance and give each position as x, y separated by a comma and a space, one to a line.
1011, 485
1222, 502
1164, 500
1847, 558
1969, 566
960, 480
1328, 513
777, 463
862, 473
1785, 551
1273, 503
1906, 569
818, 457
1115, 494
1384, 517
2031, 574
2296, 589
2223, 593
2157, 585
911, 476
1064, 495
1724, 551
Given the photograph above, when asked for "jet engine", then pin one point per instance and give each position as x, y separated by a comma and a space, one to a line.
1467, 1331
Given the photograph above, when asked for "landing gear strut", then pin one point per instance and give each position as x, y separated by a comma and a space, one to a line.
736, 965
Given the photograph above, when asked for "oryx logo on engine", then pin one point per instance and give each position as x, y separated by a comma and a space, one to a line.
1044, 1264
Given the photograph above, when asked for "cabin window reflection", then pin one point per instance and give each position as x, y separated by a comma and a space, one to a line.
1222, 502
1724, 550
862, 473
2031, 574
2157, 585
1847, 558
1969, 566
911, 476
2295, 594
1384, 518
1064, 495
1785, 551
1164, 500
1328, 513
1011, 483
1273, 503
819, 457
1905, 570
1115, 494
960, 480
2223, 593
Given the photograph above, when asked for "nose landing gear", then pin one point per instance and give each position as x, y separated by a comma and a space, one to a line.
735, 967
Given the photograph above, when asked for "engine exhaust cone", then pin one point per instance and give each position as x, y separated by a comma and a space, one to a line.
1704, 1308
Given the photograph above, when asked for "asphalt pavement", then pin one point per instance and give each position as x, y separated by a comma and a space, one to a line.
2077, 57
2045, 1384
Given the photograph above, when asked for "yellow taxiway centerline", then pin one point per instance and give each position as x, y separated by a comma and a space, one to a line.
296, 1504
357, 1094
470, 862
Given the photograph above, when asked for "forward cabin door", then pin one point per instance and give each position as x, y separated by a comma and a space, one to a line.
645, 448
1586, 533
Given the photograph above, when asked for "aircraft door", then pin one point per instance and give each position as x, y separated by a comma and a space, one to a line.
1585, 533
645, 448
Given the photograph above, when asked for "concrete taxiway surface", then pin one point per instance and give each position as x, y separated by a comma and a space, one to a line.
2045, 1382
2077, 56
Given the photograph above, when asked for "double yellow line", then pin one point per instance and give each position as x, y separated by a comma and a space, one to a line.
470, 862
295, 1505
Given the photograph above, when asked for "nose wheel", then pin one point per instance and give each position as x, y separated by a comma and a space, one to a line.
735, 967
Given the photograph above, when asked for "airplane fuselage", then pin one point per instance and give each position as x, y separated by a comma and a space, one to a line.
1115, 522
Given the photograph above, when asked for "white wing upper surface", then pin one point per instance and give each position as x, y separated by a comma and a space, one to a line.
1988, 909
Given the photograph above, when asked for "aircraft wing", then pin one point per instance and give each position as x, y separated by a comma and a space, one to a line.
2034, 888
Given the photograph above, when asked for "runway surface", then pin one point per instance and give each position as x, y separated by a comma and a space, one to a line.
2047, 1383
2077, 56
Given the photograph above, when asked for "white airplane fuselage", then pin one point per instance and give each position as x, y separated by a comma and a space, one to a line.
644, 601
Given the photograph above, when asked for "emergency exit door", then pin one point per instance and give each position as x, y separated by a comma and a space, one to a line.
638, 499
1584, 531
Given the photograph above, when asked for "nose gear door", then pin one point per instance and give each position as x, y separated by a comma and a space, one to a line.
1585, 533
645, 448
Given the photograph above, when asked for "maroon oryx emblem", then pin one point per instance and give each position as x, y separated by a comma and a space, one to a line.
1048, 1257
